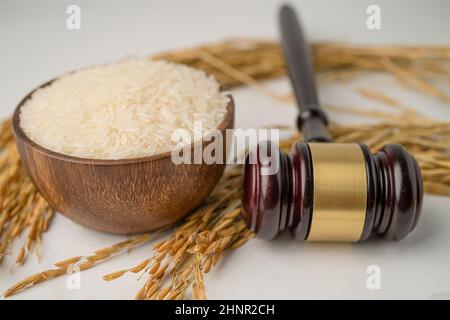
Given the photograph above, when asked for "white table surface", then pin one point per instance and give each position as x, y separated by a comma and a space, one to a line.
36, 46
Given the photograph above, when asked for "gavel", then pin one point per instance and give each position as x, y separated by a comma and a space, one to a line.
322, 190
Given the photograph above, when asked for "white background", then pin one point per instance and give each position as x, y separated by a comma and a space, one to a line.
36, 46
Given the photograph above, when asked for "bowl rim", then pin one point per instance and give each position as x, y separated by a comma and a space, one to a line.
226, 123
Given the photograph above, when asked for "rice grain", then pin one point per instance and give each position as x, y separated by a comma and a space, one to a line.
123, 110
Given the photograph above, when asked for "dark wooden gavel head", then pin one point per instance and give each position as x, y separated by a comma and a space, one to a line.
325, 191
331, 191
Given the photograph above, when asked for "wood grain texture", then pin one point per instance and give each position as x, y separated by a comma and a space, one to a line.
288, 197
285, 199
312, 121
119, 196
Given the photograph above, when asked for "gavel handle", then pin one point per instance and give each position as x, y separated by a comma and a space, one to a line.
311, 120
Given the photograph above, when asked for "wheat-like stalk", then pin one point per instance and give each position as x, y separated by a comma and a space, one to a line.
197, 245
243, 61
179, 262
78, 264
22, 208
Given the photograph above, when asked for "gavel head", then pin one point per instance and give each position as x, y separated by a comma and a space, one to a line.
331, 191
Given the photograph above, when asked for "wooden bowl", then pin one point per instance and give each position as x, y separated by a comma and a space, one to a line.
119, 196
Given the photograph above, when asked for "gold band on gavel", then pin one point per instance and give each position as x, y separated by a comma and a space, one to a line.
340, 192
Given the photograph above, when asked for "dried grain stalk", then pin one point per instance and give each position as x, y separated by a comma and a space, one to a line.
200, 242
22, 208
77, 264
180, 261
416, 66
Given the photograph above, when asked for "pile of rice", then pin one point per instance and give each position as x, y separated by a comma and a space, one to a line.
122, 110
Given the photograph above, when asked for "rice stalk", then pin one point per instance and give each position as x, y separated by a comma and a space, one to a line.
199, 243
78, 264
22, 208
178, 264
415, 66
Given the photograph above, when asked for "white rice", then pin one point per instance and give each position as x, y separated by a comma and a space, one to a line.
123, 110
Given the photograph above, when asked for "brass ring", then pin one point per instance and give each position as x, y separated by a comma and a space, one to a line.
340, 192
